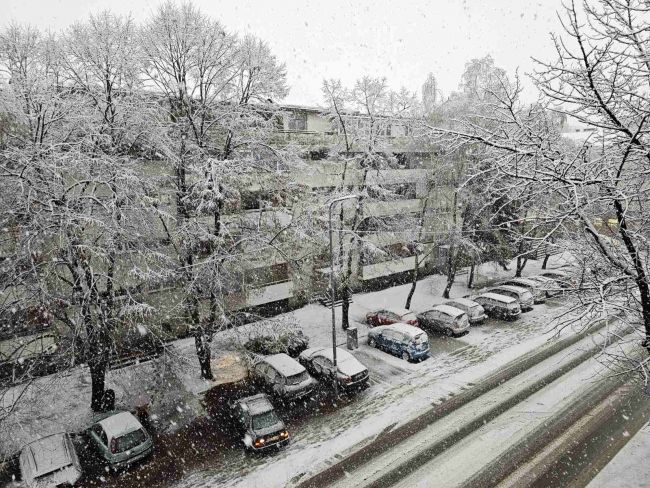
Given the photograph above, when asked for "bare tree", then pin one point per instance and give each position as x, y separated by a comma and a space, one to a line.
600, 77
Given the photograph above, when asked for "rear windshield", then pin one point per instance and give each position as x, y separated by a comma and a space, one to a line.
264, 420
130, 440
297, 378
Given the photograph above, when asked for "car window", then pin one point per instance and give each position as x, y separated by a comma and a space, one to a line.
389, 335
130, 440
99, 431
265, 420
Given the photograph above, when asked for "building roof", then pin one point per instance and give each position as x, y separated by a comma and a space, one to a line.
285, 364
119, 424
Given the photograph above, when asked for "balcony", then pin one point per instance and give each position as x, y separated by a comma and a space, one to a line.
396, 207
271, 292
387, 268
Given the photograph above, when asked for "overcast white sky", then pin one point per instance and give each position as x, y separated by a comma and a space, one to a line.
401, 40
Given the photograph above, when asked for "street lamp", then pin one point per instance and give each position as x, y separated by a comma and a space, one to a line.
333, 286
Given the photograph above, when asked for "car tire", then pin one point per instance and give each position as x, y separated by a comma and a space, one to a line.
406, 356
372, 342
449, 332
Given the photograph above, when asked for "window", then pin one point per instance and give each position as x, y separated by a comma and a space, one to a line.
297, 121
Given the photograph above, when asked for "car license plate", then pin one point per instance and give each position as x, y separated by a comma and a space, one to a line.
274, 438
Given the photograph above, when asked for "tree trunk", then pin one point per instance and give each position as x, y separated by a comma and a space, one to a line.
470, 280
414, 283
521, 264
345, 307
98, 367
641, 279
451, 273
545, 262
202, 343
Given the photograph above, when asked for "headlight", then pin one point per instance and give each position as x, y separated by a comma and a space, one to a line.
259, 442
284, 434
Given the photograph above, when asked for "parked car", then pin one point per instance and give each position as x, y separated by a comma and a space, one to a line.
539, 295
563, 279
120, 438
523, 296
350, 373
283, 377
258, 423
475, 312
550, 286
499, 306
50, 461
446, 319
406, 341
385, 316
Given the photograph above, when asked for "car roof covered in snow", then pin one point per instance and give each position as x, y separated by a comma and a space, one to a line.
284, 364
516, 289
48, 454
409, 330
463, 301
496, 296
119, 424
526, 281
326, 352
449, 310
257, 404
398, 311
555, 272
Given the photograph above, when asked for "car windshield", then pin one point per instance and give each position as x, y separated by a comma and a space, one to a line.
130, 440
264, 420
297, 378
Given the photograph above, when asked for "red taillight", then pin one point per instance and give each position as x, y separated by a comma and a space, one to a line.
114, 445
413, 322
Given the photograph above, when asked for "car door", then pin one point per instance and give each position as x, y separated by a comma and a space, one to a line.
317, 366
434, 319
99, 438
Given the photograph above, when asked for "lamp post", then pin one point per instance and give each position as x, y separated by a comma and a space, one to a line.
333, 286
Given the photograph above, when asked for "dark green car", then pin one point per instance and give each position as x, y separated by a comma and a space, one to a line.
120, 438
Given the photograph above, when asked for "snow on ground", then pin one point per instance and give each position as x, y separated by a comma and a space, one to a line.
629, 468
60, 402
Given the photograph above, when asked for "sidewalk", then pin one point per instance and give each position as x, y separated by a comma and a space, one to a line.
630, 467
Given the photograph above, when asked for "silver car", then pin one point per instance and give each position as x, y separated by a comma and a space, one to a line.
475, 311
50, 461
120, 438
446, 319
350, 373
538, 292
284, 377
523, 296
